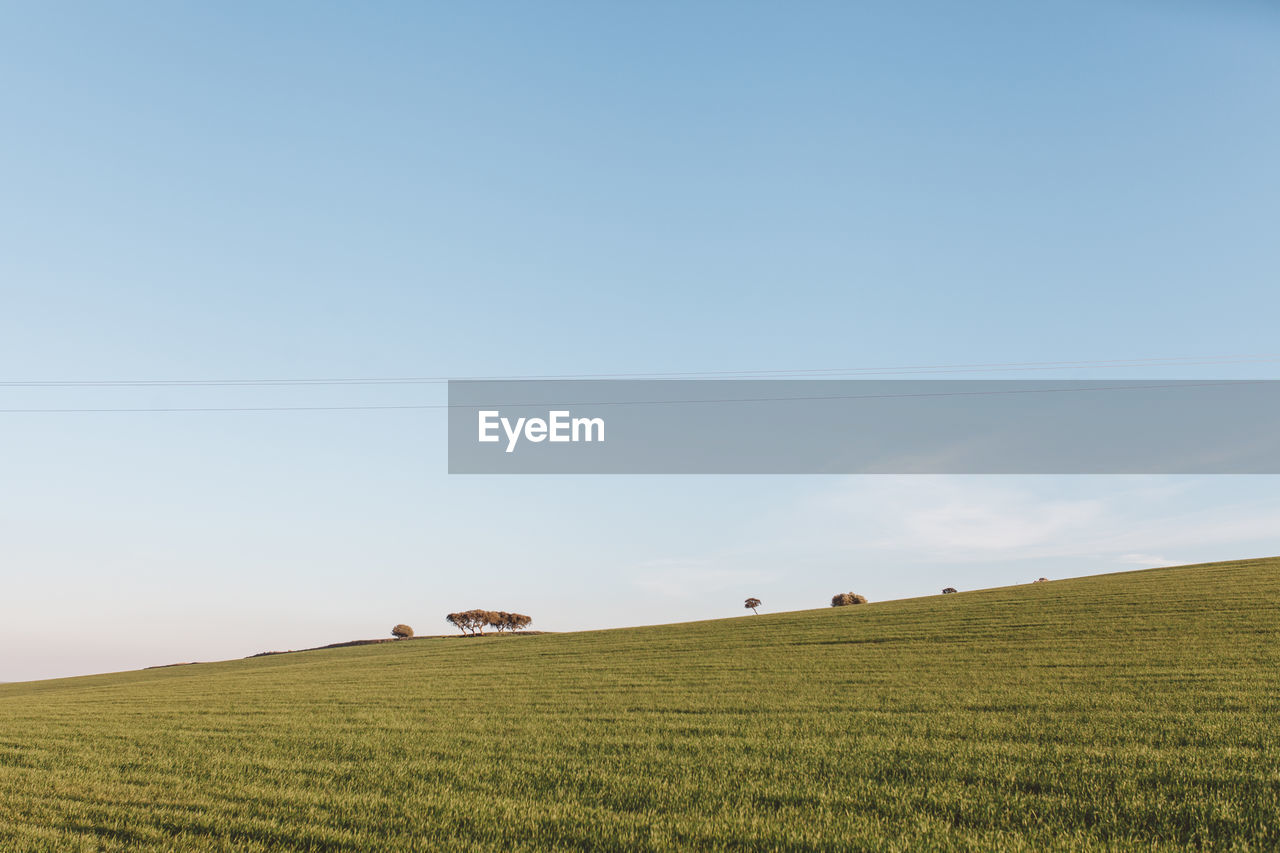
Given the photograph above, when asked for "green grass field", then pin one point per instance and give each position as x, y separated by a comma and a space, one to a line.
1136, 711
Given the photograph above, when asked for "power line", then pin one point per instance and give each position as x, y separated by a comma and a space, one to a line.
827, 372
235, 409
543, 403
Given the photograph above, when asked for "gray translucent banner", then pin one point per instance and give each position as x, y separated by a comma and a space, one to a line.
864, 427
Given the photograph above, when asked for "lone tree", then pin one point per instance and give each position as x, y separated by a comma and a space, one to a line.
467, 621
401, 631
846, 598
949, 590
751, 604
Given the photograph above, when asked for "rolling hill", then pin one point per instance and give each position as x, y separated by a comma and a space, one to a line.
1132, 711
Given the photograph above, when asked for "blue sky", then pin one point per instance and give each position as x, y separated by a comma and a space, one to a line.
332, 190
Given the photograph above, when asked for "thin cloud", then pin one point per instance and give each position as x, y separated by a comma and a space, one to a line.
965, 519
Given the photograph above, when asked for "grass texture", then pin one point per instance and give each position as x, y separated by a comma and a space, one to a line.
1134, 711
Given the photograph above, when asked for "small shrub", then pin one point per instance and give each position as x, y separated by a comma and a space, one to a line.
949, 590
844, 599
402, 631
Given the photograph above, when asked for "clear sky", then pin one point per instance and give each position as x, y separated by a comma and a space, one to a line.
240, 190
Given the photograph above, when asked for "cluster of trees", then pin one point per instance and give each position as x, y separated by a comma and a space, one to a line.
475, 621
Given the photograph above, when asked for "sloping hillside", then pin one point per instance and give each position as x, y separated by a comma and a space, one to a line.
1111, 712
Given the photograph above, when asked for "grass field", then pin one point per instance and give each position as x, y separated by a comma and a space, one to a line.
1137, 711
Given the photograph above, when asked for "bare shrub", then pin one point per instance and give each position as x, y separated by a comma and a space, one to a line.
949, 590
844, 599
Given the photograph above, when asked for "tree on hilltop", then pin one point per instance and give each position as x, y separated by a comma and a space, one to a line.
402, 631
472, 622
751, 604
477, 619
467, 621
